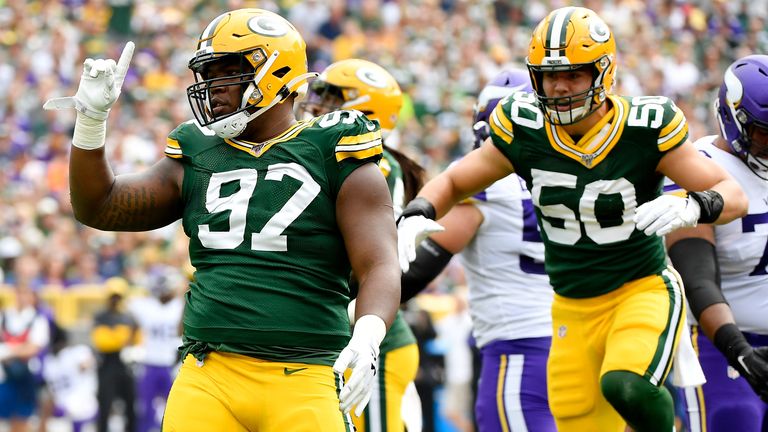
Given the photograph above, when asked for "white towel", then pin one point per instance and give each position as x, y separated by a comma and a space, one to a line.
686, 371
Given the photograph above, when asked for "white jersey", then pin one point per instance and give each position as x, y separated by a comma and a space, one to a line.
159, 324
71, 377
509, 293
742, 245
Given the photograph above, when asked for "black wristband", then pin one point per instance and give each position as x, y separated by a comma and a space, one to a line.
696, 261
711, 203
731, 342
418, 207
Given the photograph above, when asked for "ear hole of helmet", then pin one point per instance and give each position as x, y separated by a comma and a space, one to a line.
281, 72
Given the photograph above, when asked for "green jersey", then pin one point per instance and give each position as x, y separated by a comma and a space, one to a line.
272, 271
399, 334
586, 192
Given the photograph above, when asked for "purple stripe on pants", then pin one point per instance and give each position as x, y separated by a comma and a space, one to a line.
524, 388
154, 387
729, 402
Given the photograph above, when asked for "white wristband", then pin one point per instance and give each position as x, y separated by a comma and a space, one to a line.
90, 134
371, 325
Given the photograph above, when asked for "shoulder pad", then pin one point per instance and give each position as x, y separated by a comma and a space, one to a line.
187, 137
661, 114
352, 134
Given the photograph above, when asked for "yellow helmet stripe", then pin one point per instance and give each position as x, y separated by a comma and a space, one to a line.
557, 33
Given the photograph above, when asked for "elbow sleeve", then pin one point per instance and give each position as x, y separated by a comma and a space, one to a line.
696, 261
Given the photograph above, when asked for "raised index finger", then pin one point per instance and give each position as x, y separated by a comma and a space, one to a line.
122, 64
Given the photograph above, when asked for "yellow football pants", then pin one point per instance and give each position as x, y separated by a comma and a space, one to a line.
233, 393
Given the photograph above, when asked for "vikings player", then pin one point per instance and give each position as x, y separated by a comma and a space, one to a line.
724, 266
510, 296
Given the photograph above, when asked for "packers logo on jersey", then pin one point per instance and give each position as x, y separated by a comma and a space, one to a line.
267, 26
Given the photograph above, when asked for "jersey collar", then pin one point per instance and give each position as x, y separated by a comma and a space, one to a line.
258, 149
595, 145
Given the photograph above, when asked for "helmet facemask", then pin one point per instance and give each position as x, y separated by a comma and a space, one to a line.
252, 67
755, 156
587, 101
322, 98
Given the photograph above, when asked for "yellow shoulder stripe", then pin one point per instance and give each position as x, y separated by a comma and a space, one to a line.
172, 148
501, 125
359, 139
674, 133
672, 124
360, 154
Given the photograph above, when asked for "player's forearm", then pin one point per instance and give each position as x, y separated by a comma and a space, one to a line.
443, 193
379, 293
90, 182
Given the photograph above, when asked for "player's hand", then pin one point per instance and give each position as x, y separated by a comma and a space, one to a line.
99, 88
362, 356
666, 214
410, 232
752, 364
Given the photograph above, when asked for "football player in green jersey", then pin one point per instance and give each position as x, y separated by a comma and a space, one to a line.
594, 163
369, 88
278, 213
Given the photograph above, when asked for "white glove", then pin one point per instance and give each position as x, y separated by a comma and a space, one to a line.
99, 88
410, 232
362, 356
666, 214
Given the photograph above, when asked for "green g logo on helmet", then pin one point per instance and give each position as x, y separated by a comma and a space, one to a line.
266, 25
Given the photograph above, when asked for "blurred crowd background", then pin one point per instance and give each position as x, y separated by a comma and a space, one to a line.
441, 51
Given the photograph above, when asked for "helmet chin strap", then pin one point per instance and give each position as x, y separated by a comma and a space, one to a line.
234, 125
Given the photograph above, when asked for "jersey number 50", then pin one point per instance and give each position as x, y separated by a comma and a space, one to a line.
570, 233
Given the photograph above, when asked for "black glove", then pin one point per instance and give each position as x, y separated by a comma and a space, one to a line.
752, 363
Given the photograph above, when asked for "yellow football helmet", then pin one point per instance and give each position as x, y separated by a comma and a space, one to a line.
273, 64
570, 38
359, 85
